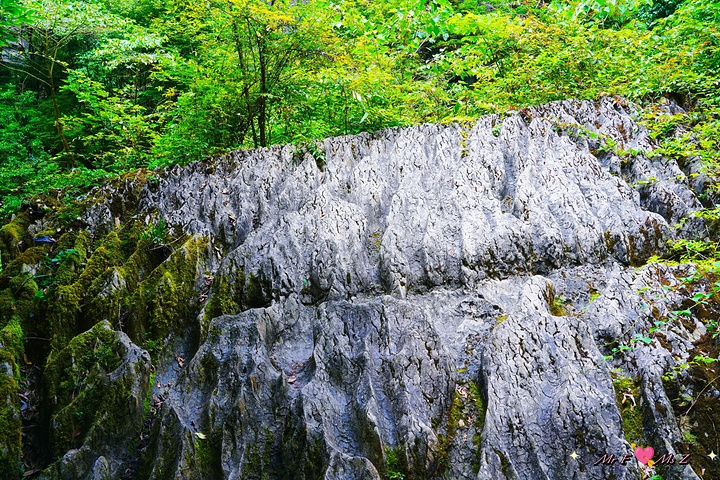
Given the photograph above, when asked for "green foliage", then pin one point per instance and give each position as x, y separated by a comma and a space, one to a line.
13, 14
156, 233
615, 13
26, 165
698, 361
113, 131
94, 88
22, 148
316, 151
393, 464
657, 9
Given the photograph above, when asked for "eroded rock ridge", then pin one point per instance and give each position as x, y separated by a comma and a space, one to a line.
439, 301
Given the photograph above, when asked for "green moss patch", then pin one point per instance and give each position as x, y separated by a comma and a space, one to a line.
11, 235
91, 286
627, 394
231, 297
11, 337
167, 298
467, 409
10, 425
208, 451
30, 256
81, 394
71, 260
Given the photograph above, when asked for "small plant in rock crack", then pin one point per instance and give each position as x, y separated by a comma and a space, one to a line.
638, 337
604, 142
704, 254
318, 153
616, 350
713, 327
393, 464
620, 381
689, 437
699, 360
156, 233
619, 348
312, 147
649, 181
702, 298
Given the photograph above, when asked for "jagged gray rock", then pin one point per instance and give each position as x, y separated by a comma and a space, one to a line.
353, 307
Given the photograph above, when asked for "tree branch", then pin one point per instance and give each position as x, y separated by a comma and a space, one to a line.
19, 70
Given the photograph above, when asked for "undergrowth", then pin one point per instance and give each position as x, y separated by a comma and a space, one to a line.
692, 139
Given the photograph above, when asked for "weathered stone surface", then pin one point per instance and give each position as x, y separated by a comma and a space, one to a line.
424, 305
558, 401
293, 389
409, 209
96, 388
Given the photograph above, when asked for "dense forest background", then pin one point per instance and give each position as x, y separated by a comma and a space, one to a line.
92, 88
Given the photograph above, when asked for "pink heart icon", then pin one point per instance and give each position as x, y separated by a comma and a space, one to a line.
644, 455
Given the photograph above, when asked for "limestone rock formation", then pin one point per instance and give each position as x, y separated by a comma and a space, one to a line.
432, 302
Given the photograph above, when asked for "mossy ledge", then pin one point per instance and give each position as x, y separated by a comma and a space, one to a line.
79, 290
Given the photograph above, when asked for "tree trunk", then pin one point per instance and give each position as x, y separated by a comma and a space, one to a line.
262, 118
58, 123
246, 88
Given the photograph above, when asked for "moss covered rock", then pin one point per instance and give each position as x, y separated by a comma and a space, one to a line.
11, 235
11, 346
95, 390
